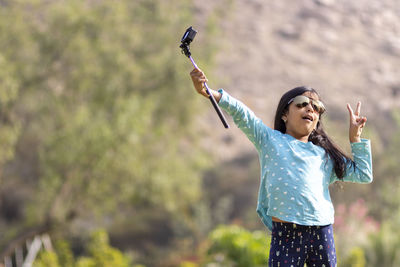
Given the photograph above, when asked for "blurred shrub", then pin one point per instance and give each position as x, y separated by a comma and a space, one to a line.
48, 258
233, 244
101, 254
356, 258
64, 253
384, 246
188, 264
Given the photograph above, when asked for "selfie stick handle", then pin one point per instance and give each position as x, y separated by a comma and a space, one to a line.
212, 99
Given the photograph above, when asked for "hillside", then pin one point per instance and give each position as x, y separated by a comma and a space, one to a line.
347, 50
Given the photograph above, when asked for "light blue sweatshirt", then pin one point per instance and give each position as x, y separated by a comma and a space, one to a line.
295, 176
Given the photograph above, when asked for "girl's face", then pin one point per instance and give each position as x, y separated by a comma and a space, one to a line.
301, 120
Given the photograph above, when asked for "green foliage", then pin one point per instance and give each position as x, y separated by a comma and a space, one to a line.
188, 264
356, 258
85, 262
113, 86
384, 246
96, 101
65, 255
100, 253
10, 129
233, 244
388, 170
46, 259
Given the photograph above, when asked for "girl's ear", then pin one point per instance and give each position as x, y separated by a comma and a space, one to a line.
284, 118
284, 115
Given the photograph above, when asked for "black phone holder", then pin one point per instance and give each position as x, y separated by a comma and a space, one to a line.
187, 38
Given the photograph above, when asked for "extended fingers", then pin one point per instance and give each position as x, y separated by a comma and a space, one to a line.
351, 113
358, 109
355, 115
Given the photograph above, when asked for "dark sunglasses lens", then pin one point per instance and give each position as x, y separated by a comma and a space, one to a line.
302, 101
319, 109
318, 106
302, 104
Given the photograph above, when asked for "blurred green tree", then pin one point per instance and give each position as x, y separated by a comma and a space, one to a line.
97, 117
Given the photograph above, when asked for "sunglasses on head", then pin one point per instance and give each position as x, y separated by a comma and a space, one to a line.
302, 101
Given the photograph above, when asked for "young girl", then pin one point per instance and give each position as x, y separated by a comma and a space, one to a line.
298, 163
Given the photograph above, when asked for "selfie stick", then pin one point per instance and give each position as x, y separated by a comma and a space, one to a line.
186, 40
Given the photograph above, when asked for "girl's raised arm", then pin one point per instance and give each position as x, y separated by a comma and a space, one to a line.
243, 117
360, 171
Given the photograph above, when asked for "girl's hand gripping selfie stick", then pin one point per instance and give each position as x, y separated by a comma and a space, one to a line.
186, 40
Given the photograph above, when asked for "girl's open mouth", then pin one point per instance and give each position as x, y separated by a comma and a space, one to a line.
308, 118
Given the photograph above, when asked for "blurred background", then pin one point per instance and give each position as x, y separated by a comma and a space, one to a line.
108, 157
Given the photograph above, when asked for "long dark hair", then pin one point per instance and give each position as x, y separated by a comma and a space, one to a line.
318, 136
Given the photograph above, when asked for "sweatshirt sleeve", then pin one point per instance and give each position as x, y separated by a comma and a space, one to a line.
244, 118
361, 170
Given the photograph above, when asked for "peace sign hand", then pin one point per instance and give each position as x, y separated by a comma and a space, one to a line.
357, 122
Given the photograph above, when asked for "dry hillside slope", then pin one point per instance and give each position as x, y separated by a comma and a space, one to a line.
347, 50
